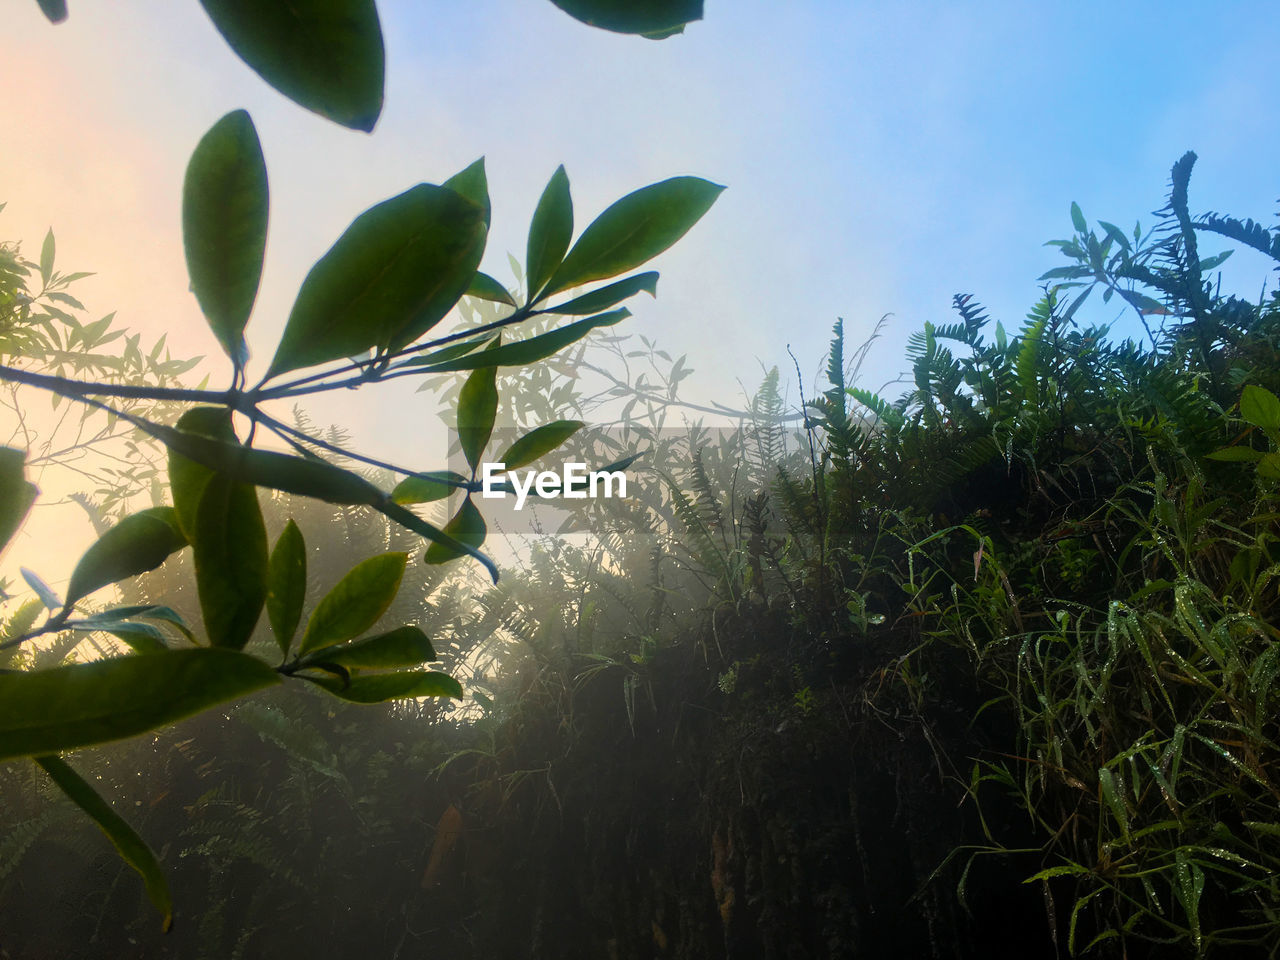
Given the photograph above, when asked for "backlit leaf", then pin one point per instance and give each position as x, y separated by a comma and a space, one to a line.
404, 647
653, 18
286, 584
230, 548
535, 348
52, 711
539, 442
138, 543
380, 687
16, 494
550, 231
477, 405
131, 847
395, 272
467, 526
356, 602
607, 296
224, 226
325, 55
635, 229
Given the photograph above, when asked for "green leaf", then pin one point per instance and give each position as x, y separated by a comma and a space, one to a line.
306, 478
356, 602
474, 185
633, 230
55, 10
230, 549
205, 445
477, 406
325, 55
224, 227
467, 526
427, 487
1260, 407
286, 585
132, 848
1269, 466
1236, 455
187, 476
550, 231
415, 523
52, 711
403, 647
141, 637
1116, 234
607, 296
539, 442
380, 687
653, 18
484, 287
449, 352
138, 543
1077, 219
16, 494
395, 272
535, 348
46, 258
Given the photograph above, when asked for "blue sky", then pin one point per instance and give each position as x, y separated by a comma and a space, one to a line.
879, 158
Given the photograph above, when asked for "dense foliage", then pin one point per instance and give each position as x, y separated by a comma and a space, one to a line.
988, 670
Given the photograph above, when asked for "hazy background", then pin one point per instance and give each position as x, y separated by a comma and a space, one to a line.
878, 160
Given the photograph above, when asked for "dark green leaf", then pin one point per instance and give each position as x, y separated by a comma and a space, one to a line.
224, 227
1260, 407
1077, 219
51, 711
635, 229
539, 442
484, 287
132, 848
607, 296
46, 258
189, 476
146, 611
427, 487
535, 348
412, 521
448, 353
379, 687
196, 452
653, 18
16, 494
1116, 234
1217, 260
230, 548
404, 647
467, 526
1236, 455
55, 10
141, 637
1269, 466
477, 405
356, 602
550, 231
395, 272
474, 185
138, 543
325, 55
286, 584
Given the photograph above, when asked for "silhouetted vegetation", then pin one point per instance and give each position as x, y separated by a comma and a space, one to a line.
986, 670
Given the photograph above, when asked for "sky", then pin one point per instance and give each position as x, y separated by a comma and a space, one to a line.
879, 158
